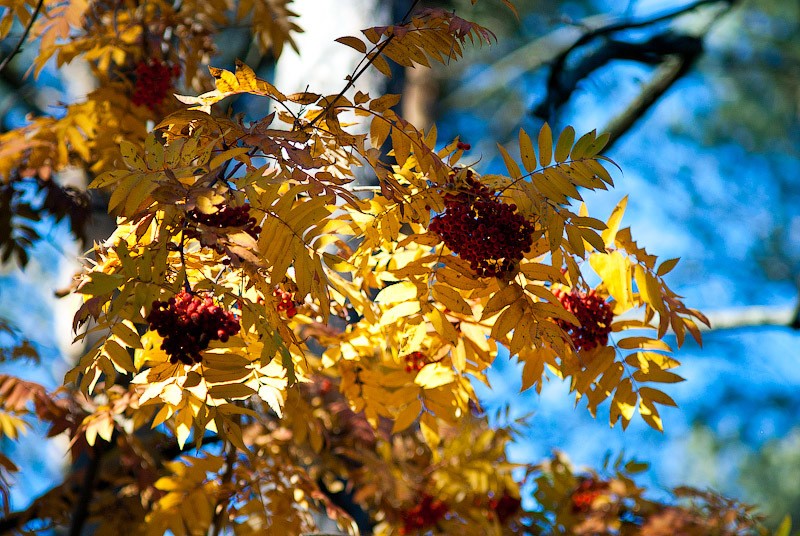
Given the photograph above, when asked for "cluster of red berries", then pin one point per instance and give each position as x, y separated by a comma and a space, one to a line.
424, 514
461, 146
415, 361
228, 216
504, 507
594, 314
285, 302
153, 81
188, 323
584, 495
483, 230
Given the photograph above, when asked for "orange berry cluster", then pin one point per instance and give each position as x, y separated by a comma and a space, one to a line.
188, 323
228, 216
285, 302
594, 314
585, 494
415, 361
504, 507
153, 81
424, 514
483, 230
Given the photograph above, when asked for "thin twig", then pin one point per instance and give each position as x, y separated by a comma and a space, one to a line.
24, 36
363, 69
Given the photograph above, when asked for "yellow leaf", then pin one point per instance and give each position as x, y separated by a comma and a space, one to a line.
560, 181
353, 42
526, 151
131, 156
613, 222
507, 320
407, 416
430, 430
522, 335
101, 283
624, 403
399, 311
633, 343
659, 397
649, 289
513, 168
545, 145
613, 270
398, 292
224, 156
379, 130
501, 299
564, 144
667, 266
657, 376
119, 356
650, 415
232, 391
451, 299
442, 326
434, 375
542, 272
183, 427
580, 147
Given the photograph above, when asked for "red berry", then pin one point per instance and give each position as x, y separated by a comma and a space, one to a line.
426, 513
153, 82
481, 229
584, 495
188, 323
594, 314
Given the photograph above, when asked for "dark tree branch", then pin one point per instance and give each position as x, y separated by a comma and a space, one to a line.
672, 70
562, 81
632, 25
651, 52
24, 36
81, 512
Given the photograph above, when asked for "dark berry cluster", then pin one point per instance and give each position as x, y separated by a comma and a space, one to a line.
188, 323
594, 314
285, 302
153, 82
461, 146
504, 507
415, 361
227, 216
424, 514
585, 494
483, 230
